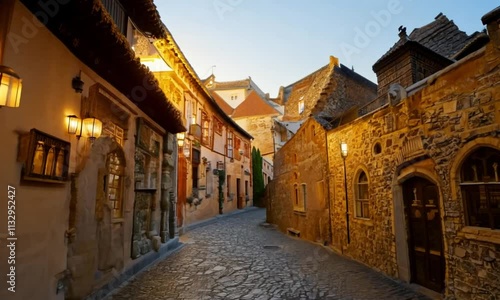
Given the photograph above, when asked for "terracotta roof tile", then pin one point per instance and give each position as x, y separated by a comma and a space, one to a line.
254, 105
228, 110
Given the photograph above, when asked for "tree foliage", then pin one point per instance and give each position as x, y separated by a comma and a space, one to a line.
257, 177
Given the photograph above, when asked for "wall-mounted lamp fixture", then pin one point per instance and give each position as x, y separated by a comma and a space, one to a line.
343, 153
241, 151
343, 149
186, 149
10, 87
73, 124
10, 82
91, 128
77, 83
181, 136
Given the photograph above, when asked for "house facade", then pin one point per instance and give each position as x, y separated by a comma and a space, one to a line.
250, 108
413, 191
213, 144
91, 152
297, 198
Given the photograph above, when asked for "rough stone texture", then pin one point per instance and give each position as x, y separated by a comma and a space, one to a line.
427, 134
240, 257
327, 93
260, 128
301, 161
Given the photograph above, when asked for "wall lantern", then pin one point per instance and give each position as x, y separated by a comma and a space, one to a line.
91, 128
343, 149
10, 82
73, 124
186, 150
10, 87
181, 136
343, 153
77, 83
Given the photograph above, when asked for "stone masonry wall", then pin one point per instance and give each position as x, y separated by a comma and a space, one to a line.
301, 161
428, 133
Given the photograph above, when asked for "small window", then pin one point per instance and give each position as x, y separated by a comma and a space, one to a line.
230, 144
377, 148
301, 107
480, 185
362, 197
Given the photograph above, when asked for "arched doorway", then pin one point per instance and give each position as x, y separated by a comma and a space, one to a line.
425, 234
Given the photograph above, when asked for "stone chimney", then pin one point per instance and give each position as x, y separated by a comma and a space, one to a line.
492, 22
334, 61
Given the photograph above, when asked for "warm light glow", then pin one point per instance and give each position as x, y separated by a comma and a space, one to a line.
73, 124
155, 64
343, 149
10, 87
180, 138
91, 128
186, 150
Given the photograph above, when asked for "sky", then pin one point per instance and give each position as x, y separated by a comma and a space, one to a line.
277, 42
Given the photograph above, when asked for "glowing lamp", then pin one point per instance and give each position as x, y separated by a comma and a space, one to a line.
10, 87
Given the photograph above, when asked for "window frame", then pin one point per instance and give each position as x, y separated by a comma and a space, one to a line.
229, 144
483, 187
362, 202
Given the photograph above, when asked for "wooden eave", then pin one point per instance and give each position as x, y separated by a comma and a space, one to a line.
87, 30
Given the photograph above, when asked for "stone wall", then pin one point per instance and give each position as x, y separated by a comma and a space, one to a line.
260, 128
301, 161
428, 134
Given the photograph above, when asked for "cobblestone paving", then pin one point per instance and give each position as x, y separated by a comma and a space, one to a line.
238, 257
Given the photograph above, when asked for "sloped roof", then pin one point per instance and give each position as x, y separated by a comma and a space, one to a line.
441, 36
226, 108
254, 105
96, 41
229, 85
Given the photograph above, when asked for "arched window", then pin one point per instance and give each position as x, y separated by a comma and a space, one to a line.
114, 182
362, 196
480, 187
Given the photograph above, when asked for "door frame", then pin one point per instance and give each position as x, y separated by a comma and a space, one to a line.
400, 219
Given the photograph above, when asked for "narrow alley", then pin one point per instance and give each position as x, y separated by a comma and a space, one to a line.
242, 257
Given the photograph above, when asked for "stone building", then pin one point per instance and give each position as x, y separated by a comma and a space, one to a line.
416, 196
250, 108
212, 141
297, 198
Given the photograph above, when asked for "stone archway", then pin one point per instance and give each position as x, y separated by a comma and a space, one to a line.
400, 221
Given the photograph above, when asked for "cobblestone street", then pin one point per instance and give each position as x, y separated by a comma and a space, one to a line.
239, 258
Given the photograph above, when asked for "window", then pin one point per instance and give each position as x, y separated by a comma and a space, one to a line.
301, 107
205, 138
362, 197
234, 97
480, 186
296, 189
195, 176
194, 117
229, 144
114, 182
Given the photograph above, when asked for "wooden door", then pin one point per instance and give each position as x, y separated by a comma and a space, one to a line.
425, 235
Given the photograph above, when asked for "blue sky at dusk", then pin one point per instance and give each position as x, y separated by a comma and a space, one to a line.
277, 42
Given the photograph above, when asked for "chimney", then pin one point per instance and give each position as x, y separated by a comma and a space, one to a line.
492, 22
334, 61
